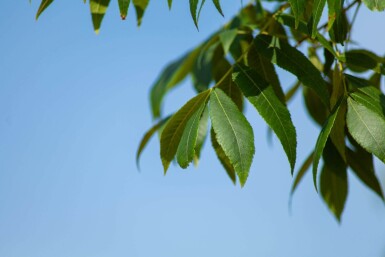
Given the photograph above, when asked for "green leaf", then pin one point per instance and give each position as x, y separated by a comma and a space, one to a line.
267, 71
288, 20
339, 31
218, 6
233, 132
201, 73
301, 172
195, 13
334, 10
264, 99
322, 139
147, 136
43, 5
140, 8
361, 163
171, 76
298, 7
169, 4
334, 182
224, 160
123, 7
292, 60
227, 38
373, 102
172, 133
318, 8
202, 134
375, 5
98, 9
186, 149
362, 60
367, 128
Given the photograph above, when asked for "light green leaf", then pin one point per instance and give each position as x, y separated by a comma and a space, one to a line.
361, 163
147, 136
367, 128
334, 181
98, 9
322, 139
298, 8
227, 37
186, 149
318, 8
123, 7
225, 161
43, 5
172, 133
171, 76
292, 60
264, 99
202, 134
233, 133
218, 6
140, 8
375, 5
301, 172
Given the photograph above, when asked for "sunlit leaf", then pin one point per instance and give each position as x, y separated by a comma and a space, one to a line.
98, 9
123, 7
298, 7
318, 8
227, 38
186, 149
367, 127
172, 133
264, 99
375, 5
292, 60
225, 161
43, 5
140, 8
233, 133
322, 139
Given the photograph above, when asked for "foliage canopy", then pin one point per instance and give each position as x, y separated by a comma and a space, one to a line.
341, 89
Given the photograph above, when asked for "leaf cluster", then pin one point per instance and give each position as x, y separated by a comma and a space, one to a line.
341, 88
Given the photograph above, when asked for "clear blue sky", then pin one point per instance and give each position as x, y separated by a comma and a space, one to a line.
73, 109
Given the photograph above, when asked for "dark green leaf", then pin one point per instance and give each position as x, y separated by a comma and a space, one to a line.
186, 149
367, 128
334, 181
172, 75
233, 133
335, 8
225, 161
292, 60
195, 13
172, 133
302, 171
318, 8
43, 5
375, 5
264, 99
339, 31
218, 6
169, 4
322, 139
140, 8
147, 137
123, 7
361, 163
298, 8
227, 38
98, 9
362, 60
